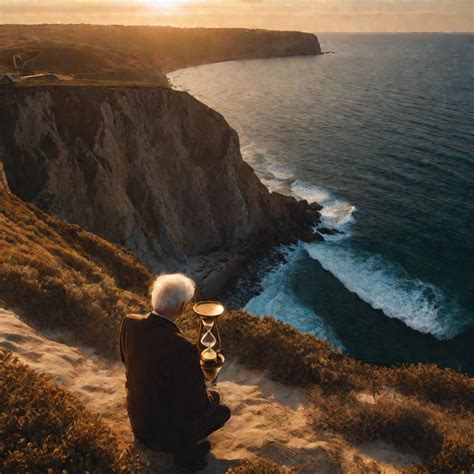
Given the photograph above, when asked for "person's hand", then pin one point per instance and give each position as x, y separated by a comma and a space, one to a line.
214, 396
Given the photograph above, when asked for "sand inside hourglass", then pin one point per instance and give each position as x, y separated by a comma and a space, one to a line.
208, 339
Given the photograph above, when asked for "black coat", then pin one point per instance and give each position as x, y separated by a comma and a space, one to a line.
166, 393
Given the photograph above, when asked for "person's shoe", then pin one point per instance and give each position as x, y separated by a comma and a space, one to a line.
193, 461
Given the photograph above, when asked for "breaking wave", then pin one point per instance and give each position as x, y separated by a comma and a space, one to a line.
275, 176
336, 213
386, 286
279, 300
383, 285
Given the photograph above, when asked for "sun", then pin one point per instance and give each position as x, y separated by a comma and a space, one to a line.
167, 4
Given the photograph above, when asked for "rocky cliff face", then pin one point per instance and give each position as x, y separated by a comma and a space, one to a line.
226, 44
150, 168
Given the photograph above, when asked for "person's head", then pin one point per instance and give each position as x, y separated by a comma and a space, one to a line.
170, 293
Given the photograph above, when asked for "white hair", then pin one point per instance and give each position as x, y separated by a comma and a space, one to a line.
170, 292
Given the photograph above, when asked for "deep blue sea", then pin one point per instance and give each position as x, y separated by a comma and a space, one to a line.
381, 134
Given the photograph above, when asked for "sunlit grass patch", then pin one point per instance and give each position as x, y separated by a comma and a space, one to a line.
44, 427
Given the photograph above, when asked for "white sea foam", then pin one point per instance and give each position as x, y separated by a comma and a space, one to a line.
278, 300
383, 285
276, 176
336, 213
386, 286
311, 193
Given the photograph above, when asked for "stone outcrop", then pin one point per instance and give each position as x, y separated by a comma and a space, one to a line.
150, 168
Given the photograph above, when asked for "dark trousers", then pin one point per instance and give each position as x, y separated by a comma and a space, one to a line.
192, 454
213, 419
217, 417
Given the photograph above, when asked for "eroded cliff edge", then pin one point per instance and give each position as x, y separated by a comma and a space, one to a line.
150, 168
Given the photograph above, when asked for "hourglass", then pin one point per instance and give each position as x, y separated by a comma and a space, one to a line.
210, 343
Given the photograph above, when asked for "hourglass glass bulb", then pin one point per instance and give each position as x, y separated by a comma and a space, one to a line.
208, 324
208, 340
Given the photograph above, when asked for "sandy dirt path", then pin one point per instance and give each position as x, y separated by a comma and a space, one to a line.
268, 419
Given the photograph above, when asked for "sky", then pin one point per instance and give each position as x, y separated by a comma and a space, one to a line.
305, 15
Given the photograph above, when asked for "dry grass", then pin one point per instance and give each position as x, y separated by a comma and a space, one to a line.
60, 276
430, 415
262, 466
139, 53
443, 439
292, 357
43, 427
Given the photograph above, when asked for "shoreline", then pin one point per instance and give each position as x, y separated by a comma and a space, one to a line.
247, 280
234, 275
244, 286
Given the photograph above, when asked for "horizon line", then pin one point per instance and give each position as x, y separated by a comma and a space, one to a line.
240, 27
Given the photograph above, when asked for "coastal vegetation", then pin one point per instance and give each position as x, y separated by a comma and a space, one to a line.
261, 466
136, 54
56, 275
63, 277
46, 429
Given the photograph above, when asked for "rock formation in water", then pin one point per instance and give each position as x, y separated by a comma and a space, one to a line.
150, 168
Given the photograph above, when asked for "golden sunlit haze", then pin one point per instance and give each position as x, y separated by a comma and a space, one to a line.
306, 15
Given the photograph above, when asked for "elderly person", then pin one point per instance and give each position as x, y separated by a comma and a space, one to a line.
168, 404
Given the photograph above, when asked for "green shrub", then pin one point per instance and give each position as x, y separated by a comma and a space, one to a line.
43, 427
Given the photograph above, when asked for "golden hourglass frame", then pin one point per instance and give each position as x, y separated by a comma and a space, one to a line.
209, 341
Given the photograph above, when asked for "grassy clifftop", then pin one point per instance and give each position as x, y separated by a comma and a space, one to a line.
139, 54
43, 427
63, 277
58, 276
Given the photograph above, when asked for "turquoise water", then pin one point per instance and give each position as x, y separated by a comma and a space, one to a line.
380, 133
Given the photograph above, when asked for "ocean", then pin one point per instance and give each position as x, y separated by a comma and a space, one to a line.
381, 134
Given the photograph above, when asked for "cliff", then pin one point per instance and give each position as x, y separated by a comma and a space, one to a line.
229, 44
150, 168
320, 410
158, 171
138, 53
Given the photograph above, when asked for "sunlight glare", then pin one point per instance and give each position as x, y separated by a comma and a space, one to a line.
167, 5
